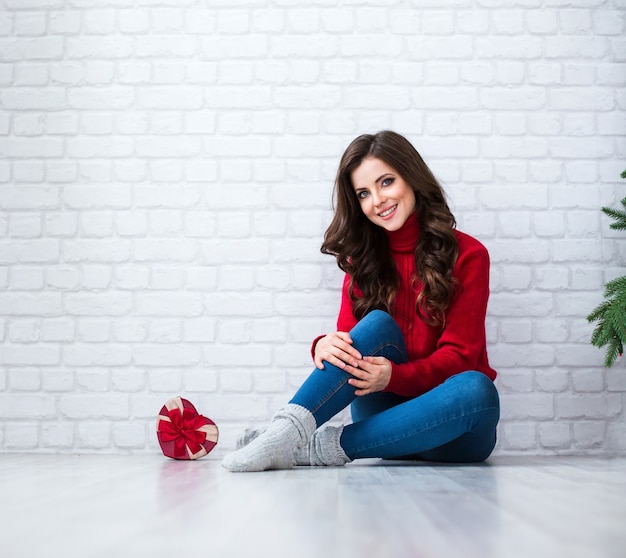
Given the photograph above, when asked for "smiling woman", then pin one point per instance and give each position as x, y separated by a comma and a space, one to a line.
409, 355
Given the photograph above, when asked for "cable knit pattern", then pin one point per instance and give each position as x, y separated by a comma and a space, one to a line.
435, 354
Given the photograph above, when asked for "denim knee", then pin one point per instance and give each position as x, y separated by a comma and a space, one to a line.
479, 389
377, 318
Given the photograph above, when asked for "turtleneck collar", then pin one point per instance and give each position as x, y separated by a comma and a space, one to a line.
405, 238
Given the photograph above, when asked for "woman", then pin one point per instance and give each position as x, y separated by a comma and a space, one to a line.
409, 354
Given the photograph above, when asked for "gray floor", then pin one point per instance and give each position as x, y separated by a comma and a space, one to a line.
115, 506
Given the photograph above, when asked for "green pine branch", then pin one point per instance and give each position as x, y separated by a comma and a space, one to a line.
618, 215
611, 313
611, 318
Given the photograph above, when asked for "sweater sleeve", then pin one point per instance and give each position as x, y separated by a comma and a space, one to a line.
346, 320
462, 343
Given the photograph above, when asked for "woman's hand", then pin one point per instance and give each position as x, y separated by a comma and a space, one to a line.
372, 375
336, 349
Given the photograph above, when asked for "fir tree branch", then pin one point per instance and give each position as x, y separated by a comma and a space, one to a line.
611, 313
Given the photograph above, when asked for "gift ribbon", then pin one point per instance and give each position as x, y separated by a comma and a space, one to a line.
187, 429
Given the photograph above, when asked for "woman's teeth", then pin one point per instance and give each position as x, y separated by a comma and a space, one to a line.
388, 211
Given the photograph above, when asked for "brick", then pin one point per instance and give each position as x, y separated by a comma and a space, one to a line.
93, 379
167, 147
164, 249
57, 380
588, 381
578, 355
527, 406
166, 355
516, 331
237, 355
21, 436
550, 330
26, 406
302, 46
503, 197
518, 436
238, 46
168, 304
129, 435
270, 382
236, 278
128, 379
94, 406
522, 98
97, 250
587, 279
544, 22
589, 434
514, 355
98, 354
164, 380
110, 98
199, 330
200, 380
553, 380
516, 381
24, 331
31, 147
84, 197
234, 250
58, 435
616, 379
94, 435
238, 407
616, 438
38, 48
22, 98
117, 46
510, 251
575, 47
588, 406
93, 330
61, 172
164, 331
555, 435
237, 381
57, 330
201, 278
25, 379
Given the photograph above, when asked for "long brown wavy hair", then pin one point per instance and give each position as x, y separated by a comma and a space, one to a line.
362, 248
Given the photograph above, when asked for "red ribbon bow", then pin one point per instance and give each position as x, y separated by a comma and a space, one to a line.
179, 422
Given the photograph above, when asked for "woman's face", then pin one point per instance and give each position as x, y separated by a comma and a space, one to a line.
385, 198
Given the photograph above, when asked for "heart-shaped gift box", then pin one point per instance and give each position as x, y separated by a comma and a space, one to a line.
183, 433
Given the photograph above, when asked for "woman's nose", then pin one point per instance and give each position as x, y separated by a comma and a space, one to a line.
378, 198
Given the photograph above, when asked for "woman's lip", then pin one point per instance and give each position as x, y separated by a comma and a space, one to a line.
393, 209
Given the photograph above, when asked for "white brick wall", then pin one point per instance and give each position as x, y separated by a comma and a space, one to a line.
165, 178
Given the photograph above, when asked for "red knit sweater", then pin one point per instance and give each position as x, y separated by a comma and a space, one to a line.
435, 354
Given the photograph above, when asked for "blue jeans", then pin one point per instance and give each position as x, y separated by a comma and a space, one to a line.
454, 422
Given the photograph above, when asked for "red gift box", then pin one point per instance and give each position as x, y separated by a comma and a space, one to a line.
183, 433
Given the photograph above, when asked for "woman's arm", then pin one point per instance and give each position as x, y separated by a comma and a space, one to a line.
462, 344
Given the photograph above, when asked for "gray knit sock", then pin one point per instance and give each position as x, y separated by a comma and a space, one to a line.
324, 447
290, 429
247, 436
